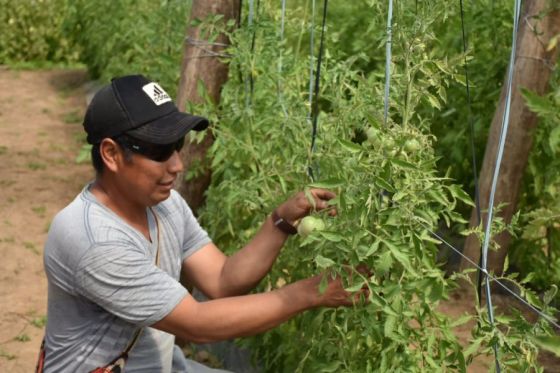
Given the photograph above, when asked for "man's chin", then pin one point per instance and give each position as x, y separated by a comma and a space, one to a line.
159, 197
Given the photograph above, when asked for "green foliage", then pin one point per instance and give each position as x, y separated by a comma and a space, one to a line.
537, 251
488, 26
126, 37
551, 344
32, 32
22, 338
390, 193
39, 322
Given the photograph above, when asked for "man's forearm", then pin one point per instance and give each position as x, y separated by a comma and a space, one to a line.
243, 270
228, 318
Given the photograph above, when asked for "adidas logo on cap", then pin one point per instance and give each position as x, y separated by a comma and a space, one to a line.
156, 93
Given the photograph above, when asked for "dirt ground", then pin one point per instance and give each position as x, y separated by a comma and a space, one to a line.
40, 137
40, 132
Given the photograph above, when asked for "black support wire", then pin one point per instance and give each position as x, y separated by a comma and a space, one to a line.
473, 149
315, 103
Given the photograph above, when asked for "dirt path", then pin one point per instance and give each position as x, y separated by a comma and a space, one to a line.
40, 132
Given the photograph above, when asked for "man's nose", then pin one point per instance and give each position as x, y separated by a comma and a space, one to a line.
175, 164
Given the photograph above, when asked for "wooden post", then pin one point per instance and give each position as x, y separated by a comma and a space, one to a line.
201, 62
534, 66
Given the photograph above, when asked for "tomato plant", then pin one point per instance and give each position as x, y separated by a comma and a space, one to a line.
390, 194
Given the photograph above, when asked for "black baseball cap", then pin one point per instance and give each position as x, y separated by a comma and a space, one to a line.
140, 108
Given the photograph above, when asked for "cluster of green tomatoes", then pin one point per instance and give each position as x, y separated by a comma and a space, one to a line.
393, 148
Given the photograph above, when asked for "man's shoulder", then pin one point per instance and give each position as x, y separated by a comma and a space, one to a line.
84, 222
71, 214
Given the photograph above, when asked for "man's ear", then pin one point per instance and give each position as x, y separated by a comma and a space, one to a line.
111, 154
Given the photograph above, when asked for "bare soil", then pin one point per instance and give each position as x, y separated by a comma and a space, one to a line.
40, 137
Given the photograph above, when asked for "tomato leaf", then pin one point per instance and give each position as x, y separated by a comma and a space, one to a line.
350, 146
323, 262
549, 343
403, 164
328, 184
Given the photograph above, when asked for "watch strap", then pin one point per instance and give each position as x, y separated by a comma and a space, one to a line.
282, 224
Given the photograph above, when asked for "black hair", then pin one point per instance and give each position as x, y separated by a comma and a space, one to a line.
97, 161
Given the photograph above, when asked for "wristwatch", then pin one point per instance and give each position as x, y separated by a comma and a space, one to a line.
282, 224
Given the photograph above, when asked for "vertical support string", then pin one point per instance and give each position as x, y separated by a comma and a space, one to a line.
315, 96
503, 135
249, 82
279, 86
473, 149
388, 56
311, 59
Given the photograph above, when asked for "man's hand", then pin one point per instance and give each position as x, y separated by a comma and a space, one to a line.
302, 203
335, 295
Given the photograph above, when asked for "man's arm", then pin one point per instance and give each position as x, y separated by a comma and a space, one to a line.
228, 318
217, 275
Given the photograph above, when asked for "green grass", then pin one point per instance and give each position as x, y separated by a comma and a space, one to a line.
56, 147
72, 117
7, 183
9, 239
22, 338
39, 210
36, 166
61, 161
3, 149
39, 322
7, 355
31, 246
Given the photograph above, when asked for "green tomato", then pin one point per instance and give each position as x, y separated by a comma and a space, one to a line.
389, 143
411, 145
310, 224
372, 135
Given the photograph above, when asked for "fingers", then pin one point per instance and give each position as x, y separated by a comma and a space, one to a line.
302, 203
338, 296
361, 296
322, 198
323, 194
364, 270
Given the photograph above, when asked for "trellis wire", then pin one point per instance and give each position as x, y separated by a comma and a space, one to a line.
473, 147
204, 46
545, 316
315, 97
249, 80
280, 96
503, 135
388, 62
474, 169
311, 58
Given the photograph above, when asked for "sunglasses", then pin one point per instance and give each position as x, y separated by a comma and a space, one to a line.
155, 152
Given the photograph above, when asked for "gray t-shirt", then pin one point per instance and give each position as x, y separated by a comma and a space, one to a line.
104, 284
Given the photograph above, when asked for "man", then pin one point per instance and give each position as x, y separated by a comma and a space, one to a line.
114, 255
